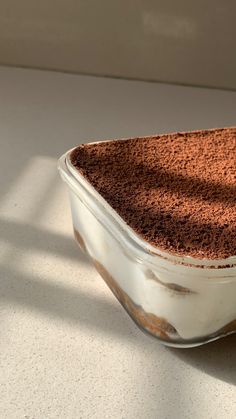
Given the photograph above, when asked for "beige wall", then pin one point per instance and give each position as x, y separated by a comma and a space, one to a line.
184, 41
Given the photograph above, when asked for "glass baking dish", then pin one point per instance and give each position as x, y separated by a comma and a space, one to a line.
182, 301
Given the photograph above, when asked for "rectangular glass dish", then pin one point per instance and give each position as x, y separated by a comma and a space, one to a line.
182, 301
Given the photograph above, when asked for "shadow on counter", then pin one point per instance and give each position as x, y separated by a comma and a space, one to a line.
216, 358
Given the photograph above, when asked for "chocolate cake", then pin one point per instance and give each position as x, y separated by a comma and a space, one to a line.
176, 191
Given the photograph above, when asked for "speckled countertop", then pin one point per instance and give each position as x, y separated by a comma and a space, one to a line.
67, 348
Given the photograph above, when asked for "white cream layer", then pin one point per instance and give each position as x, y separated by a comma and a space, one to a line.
208, 307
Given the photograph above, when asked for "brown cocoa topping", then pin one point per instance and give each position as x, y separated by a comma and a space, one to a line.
176, 191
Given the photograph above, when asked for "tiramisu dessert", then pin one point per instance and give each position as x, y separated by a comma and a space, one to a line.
157, 215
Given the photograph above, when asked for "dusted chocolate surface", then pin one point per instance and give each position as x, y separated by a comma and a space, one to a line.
177, 191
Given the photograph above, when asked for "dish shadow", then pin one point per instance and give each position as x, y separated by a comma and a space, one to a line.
74, 306
29, 237
50, 298
216, 358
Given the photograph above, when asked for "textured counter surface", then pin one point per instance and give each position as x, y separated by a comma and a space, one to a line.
67, 348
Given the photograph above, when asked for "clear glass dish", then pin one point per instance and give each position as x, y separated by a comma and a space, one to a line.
182, 301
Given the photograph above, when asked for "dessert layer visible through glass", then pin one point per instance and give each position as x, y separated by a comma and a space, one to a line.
183, 301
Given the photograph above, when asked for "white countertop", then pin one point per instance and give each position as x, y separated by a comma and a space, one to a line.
67, 348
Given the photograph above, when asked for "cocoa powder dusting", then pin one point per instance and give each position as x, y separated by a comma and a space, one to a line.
177, 191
